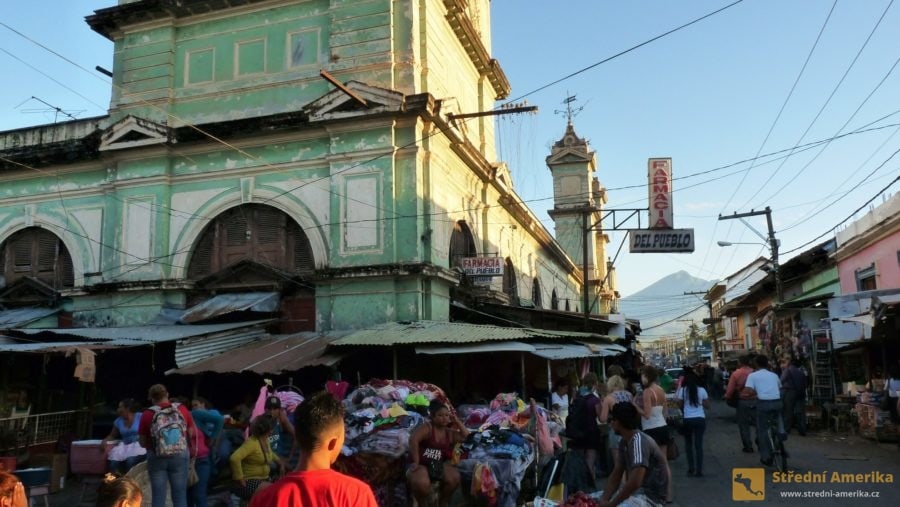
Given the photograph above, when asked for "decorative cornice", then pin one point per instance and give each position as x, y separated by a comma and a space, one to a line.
470, 39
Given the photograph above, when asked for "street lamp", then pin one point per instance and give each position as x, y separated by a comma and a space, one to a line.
772, 243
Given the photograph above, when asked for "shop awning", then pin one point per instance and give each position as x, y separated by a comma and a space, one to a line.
809, 298
478, 348
139, 335
18, 317
272, 355
551, 351
438, 332
42, 348
263, 302
193, 342
862, 318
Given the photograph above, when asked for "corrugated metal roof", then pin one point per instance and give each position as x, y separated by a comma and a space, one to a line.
22, 316
274, 355
137, 335
46, 347
552, 351
477, 348
195, 349
556, 351
227, 303
427, 331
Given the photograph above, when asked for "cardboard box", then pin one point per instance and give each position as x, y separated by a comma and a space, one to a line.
59, 469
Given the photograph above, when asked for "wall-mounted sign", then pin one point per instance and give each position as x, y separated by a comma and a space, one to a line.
482, 266
661, 240
659, 183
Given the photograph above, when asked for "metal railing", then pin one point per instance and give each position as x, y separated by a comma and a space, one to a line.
48, 427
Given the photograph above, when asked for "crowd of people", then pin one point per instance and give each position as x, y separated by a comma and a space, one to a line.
277, 460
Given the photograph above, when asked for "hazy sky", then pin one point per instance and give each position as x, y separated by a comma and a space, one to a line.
707, 96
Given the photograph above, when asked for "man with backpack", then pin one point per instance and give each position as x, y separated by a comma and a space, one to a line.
165, 431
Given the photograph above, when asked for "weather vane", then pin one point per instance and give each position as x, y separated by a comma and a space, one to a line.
569, 111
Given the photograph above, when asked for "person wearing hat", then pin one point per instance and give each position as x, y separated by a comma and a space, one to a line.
282, 440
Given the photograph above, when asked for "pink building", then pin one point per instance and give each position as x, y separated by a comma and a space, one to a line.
868, 253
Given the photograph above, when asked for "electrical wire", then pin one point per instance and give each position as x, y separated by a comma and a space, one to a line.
827, 101
857, 210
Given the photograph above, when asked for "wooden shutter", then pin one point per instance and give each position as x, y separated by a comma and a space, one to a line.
201, 259
64, 268
21, 248
40, 254
268, 246
46, 253
302, 251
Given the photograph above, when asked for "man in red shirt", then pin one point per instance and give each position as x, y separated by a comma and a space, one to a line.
172, 468
746, 407
319, 424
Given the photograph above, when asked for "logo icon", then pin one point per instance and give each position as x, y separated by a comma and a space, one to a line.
748, 484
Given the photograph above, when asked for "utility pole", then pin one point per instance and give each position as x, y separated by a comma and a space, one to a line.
773, 247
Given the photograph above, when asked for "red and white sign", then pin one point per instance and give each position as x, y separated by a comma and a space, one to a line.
659, 182
482, 266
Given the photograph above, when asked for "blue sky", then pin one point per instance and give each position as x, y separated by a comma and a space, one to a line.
706, 96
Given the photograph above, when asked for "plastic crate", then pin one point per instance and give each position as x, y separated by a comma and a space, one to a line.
32, 477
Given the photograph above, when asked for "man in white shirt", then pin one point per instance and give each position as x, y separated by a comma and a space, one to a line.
765, 386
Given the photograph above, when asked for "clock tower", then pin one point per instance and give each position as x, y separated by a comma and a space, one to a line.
578, 199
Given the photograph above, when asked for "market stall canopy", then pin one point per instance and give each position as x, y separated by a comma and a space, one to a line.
272, 355
263, 302
552, 351
42, 348
19, 317
192, 342
437, 332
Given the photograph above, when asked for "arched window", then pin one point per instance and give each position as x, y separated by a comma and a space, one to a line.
536, 293
554, 300
462, 244
37, 253
568, 308
510, 286
256, 232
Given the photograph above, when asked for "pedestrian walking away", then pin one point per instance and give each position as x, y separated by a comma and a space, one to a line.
693, 399
165, 431
745, 405
765, 387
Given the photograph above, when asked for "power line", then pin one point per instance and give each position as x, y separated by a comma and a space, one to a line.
857, 210
827, 101
785, 103
626, 51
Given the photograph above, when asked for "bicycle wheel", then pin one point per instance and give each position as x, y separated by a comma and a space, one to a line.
779, 456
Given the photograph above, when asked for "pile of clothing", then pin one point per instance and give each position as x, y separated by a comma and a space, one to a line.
381, 414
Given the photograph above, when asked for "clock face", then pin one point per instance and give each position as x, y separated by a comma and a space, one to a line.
569, 140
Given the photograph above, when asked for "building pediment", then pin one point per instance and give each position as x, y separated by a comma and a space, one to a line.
245, 274
570, 155
365, 100
28, 291
132, 132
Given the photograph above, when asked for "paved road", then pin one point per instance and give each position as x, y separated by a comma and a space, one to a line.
818, 452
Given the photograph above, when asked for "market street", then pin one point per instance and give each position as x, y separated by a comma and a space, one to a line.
819, 451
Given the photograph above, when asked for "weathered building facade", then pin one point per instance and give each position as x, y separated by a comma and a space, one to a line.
231, 162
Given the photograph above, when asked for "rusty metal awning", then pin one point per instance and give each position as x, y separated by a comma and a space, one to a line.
437, 332
138, 335
264, 302
271, 355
